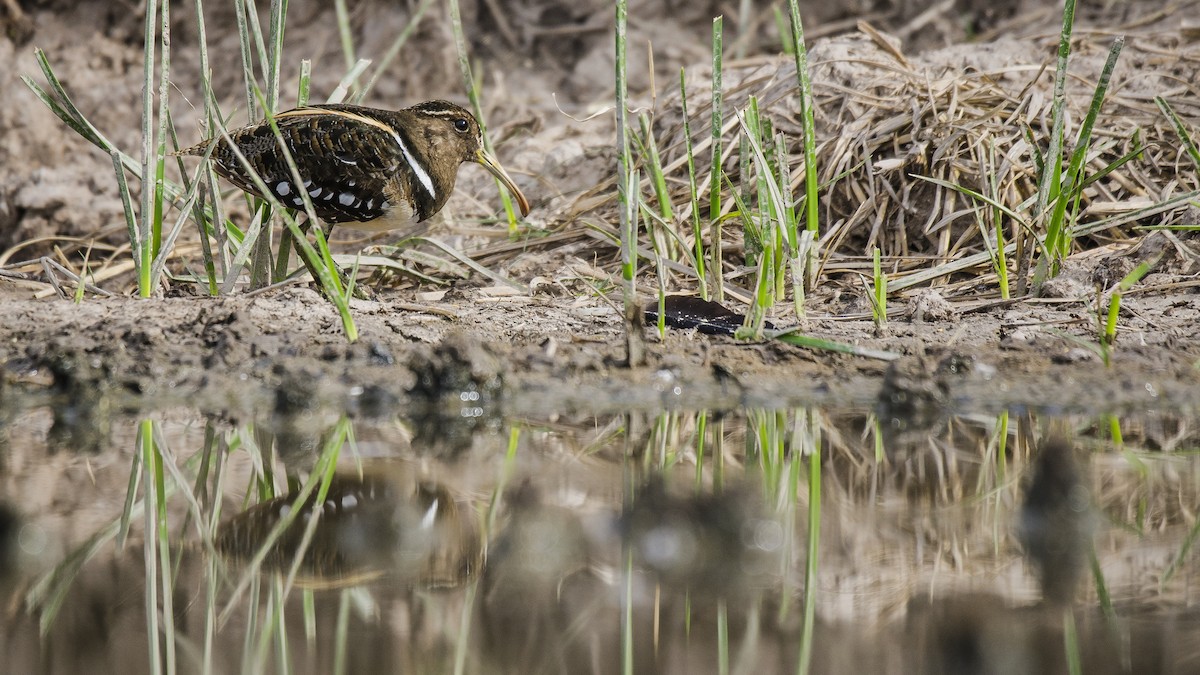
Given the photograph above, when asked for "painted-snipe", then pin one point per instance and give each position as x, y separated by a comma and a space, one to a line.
365, 168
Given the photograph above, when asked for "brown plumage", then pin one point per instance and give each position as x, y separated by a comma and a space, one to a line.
362, 167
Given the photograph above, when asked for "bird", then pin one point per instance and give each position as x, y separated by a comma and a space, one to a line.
365, 168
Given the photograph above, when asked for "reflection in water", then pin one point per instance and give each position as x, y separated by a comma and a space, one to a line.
1056, 521
548, 596
583, 549
81, 422
10, 544
913, 397
379, 524
82, 406
706, 543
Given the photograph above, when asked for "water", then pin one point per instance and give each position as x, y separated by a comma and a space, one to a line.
673, 542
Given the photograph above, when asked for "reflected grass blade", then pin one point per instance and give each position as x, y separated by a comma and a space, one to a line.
153, 496
1182, 556
341, 633
722, 637
506, 470
1071, 643
814, 535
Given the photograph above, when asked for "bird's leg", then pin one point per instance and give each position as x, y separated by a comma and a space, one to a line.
312, 271
360, 291
284, 258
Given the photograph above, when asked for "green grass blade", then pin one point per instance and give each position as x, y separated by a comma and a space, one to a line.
693, 193
1051, 176
339, 92
247, 54
1058, 239
275, 55
67, 112
811, 219
1050, 170
657, 178
146, 224
1189, 144
344, 33
1109, 335
628, 198
792, 336
962, 189
715, 173
127, 205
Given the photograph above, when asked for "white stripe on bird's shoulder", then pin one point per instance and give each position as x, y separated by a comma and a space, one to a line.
417, 169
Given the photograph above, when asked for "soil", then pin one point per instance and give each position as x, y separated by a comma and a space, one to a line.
557, 346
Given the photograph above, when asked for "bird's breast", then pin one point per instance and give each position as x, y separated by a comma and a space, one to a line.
395, 217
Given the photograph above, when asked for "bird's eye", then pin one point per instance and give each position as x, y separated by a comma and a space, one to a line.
461, 124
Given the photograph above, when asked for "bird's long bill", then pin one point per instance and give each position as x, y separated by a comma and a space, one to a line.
498, 171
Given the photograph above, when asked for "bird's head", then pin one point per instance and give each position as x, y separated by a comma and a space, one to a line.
454, 132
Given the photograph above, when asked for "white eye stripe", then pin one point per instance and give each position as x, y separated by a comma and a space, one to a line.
440, 110
417, 169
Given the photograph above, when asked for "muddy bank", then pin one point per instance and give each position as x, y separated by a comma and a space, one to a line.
285, 348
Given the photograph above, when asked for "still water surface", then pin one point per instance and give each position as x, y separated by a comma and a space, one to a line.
752, 541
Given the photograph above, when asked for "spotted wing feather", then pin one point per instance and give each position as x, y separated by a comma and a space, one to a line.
348, 168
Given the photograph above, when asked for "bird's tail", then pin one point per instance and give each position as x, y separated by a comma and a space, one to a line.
198, 149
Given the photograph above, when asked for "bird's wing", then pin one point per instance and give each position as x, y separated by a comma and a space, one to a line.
346, 161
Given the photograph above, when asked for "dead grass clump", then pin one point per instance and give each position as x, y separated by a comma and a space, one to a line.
973, 116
